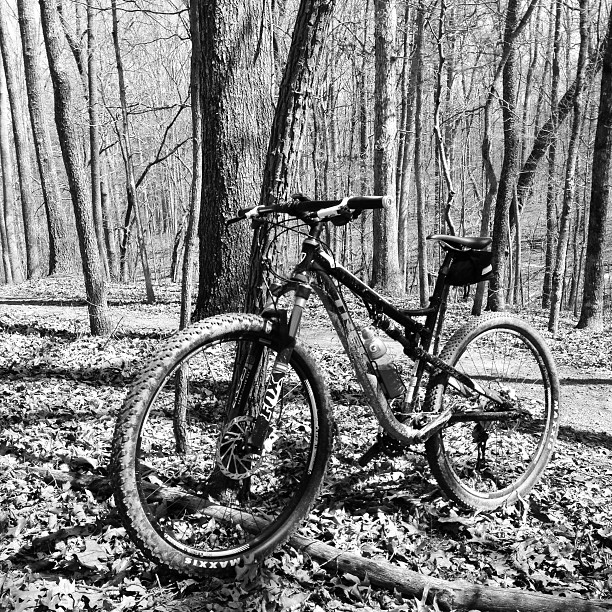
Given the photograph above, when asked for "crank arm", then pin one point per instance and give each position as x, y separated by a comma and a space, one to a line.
421, 435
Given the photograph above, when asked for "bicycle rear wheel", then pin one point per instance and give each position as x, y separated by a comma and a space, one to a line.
188, 492
486, 463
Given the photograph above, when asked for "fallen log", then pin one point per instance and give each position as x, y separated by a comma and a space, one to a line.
449, 595
455, 595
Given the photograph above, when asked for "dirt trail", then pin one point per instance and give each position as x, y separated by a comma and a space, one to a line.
586, 394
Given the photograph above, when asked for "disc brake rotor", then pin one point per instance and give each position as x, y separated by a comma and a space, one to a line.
234, 458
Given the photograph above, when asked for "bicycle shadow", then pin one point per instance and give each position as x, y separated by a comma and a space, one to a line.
74, 302
64, 303
108, 376
594, 439
37, 329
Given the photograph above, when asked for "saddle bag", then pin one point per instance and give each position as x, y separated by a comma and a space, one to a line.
470, 267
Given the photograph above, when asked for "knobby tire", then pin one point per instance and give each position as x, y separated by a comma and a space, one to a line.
191, 501
509, 356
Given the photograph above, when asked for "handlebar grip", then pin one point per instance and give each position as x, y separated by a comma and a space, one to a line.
369, 202
249, 213
242, 212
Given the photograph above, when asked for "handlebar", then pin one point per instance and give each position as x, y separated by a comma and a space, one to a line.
315, 210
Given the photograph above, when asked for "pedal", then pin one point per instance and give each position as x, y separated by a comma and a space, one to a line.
370, 454
386, 445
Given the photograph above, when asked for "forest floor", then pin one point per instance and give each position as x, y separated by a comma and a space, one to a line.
63, 548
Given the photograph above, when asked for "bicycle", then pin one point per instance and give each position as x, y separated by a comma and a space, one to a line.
222, 444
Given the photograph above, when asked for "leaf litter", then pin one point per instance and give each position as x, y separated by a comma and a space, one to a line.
62, 546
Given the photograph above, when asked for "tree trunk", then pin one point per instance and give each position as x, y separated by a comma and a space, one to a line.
181, 394
109, 224
442, 594
24, 165
289, 120
363, 146
402, 87
189, 249
442, 155
178, 256
534, 52
66, 110
491, 179
510, 166
385, 262
570, 175
576, 260
418, 146
591, 314
409, 96
8, 190
517, 294
6, 260
61, 251
236, 101
551, 191
126, 149
94, 134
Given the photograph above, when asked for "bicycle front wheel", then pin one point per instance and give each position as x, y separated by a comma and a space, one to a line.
482, 464
190, 490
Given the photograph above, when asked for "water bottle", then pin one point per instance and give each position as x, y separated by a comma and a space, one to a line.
383, 363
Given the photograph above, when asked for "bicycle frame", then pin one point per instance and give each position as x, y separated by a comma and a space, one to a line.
353, 346
316, 271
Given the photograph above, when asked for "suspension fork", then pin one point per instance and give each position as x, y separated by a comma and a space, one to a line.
247, 365
288, 331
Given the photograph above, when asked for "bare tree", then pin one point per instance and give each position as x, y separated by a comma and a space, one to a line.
11, 245
510, 166
418, 148
440, 144
570, 174
404, 158
61, 251
591, 314
552, 191
94, 133
289, 120
385, 263
126, 151
195, 198
548, 130
22, 151
236, 110
65, 113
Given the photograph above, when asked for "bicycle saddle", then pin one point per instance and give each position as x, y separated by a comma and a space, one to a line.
458, 242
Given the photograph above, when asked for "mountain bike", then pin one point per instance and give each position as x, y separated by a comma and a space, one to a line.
222, 444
